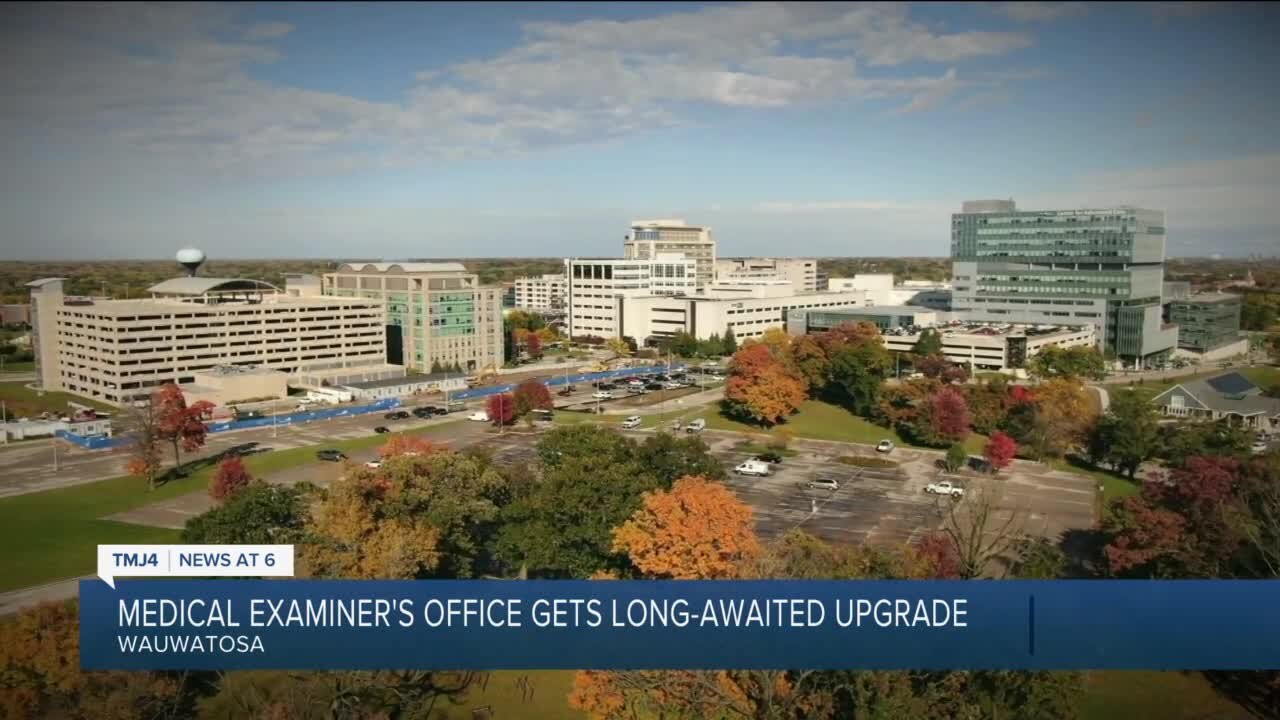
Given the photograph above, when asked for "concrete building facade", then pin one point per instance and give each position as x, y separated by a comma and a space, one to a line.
435, 312
597, 287
545, 293
801, 272
748, 310
882, 290
116, 351
650, 238
1103, 267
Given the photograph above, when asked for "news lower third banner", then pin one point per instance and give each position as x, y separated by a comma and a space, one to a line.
222, 624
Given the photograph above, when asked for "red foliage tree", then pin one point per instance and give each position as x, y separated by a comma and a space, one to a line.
932, 366
949, 419
1020, 395
230, 478
178, 424
533, 345
1000, 450
502, 409
531, 395
938, 553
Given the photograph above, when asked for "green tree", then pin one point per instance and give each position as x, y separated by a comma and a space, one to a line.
1073, 362
729, 343
668, 457
1127, 435
956, 457
858, 369
928, 344
261, 514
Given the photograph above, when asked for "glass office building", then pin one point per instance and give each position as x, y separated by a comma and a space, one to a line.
1103, 267
1206, 321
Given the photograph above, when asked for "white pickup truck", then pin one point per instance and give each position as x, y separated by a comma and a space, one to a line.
945, 488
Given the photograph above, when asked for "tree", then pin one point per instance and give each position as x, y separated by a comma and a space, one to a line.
533, 345
531, 395
682, 344
956, 458
697, 530
410, 445
949, 419
859, 365
729, 342
667, 457
1127, 435
619, 347
760, 387
40, 675
928, 344
982, 533
1038, 559
261, 514
178, 424
1000, 450
501, 408
343, 694
933, 366
988, 403
1063, 414
1074, 362
230, 478
1222, 438
143, 431
811, 362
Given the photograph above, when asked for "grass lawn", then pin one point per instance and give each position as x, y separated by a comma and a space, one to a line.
1263, 377
51, 535
504, 698
1116, 694
25, 366
1113, 485
22, 401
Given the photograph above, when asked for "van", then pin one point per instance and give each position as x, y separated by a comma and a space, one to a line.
752, 467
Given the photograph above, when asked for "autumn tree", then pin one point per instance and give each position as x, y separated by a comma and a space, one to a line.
760, 387
261, 514
531, 395
177, 423
697, 530
988, 403
932, 366
905, 407
230, 477
40, 675
1000, 450
408, 445
143, 430
983, 533
811, 362
533, 345
501, 408
619, 347
859, 365
1064, 413
948, 417
349, 695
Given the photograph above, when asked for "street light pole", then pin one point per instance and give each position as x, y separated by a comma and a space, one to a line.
54, 441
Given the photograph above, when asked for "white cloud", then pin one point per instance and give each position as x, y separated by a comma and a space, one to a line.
1038, 11
179, 78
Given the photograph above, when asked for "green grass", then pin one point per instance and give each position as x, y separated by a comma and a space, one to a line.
1113, 485
503, 697
51, 535
1263, 377
22, 401
1116, 694
19, 367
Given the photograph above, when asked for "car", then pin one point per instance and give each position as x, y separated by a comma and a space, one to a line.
602, 395
1259, 446
373, 464
397, 415
884, 446
673, 385
696, 426
823, 484
654, 386
635, 382
330, 455
382, 429
566, 391
631, 422
542, 415
752, 467
769, 456
606, 386
479, 416
945, 488
424, 412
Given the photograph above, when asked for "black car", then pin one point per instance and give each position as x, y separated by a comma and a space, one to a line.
382, 429
397, 415
330, 455
423, 412
654, 386
566, 391
439, 410
769, 456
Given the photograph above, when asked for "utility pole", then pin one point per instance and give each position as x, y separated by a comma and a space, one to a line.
54, 441
4, 414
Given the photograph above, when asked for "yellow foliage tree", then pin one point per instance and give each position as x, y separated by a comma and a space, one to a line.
355, 536
1063, 415
698, 530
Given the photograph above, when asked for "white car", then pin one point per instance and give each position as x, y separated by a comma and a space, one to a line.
696, 426
673, 385
824, 484
631, 422
635, 382
479, 416
373, 464
602, 395
945, 488
753, 467
885, 446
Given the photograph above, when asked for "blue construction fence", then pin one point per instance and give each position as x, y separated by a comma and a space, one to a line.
568, 380
100, 442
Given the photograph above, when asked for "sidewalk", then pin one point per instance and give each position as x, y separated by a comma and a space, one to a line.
16, 600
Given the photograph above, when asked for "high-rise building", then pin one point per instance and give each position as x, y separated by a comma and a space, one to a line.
650, 238
436, 312
544, 293
802, 273
1103, 267
1207, 322
595, 288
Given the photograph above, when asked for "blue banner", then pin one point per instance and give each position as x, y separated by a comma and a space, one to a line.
446, 624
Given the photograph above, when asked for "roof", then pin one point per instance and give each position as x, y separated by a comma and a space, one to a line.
44, 281
1227, 393
406, 380
202, 285
1209, 297
403, 267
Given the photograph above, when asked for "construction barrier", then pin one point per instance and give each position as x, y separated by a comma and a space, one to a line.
567, 380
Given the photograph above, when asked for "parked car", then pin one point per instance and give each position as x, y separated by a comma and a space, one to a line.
654, 386
885, 446
673, 384
823, 484
373, 464
382, 429
397, 415
479, 416
424, 412
602, 395
635, 382
770, 456
945, 488
566, 391
696, 426
542, 415
330, 455
755, 468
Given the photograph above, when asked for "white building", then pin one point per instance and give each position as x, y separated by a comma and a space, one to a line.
801, 272
881, 290
651, 238
596, 288
545, 293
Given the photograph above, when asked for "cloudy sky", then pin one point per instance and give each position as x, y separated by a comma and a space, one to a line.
399, 130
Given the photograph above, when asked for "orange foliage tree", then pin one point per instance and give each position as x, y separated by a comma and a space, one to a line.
761, 386
179, 424
408, 446
40, 674
230, 478
696, 530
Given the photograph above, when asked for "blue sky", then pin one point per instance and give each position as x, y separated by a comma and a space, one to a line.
445, 130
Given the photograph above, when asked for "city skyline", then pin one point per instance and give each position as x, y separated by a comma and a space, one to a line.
451, 130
